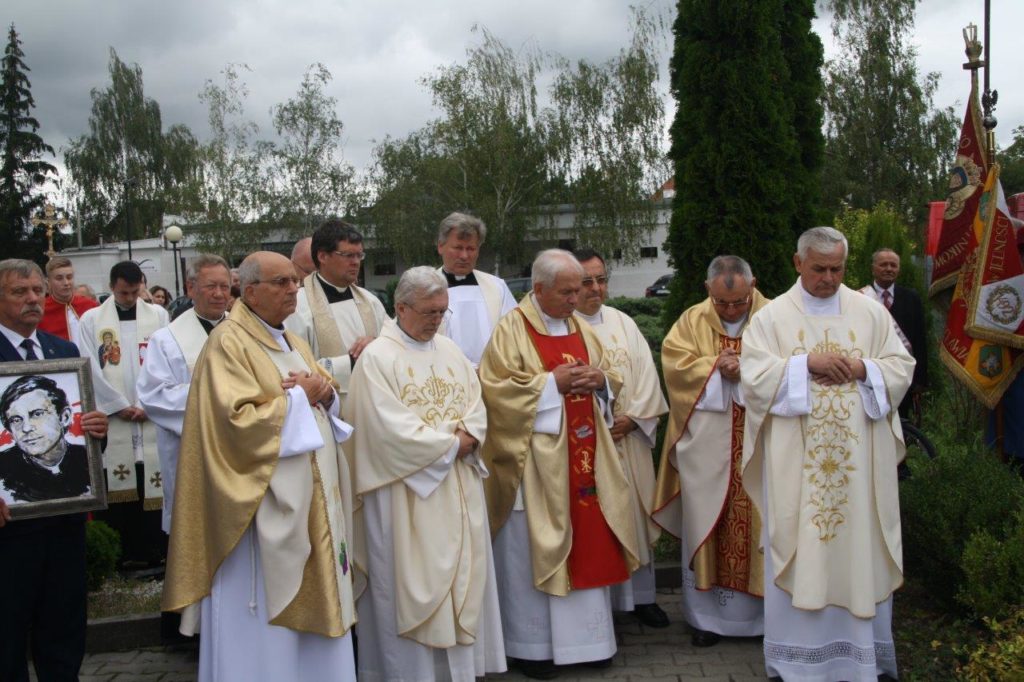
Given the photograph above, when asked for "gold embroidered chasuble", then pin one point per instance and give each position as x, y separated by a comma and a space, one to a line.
831, 474
230, 476
706, 502
513, 377
639, 397
408, 404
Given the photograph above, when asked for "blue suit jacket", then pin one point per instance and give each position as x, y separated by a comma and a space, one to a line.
53, 347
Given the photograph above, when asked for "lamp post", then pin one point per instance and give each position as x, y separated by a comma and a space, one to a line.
173, 234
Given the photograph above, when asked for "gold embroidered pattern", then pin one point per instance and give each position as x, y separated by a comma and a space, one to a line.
437, 399
828, 462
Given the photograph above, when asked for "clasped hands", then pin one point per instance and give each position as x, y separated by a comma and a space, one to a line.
467, 443
729, 364
578, 378
317, 387
833, 369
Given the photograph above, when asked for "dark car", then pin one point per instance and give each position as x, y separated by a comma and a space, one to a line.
659, 288
519, 286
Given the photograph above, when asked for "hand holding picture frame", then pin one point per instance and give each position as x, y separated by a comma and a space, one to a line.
48, 464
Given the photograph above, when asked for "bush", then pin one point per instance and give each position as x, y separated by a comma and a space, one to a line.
102, 551
1003, 657
994, 572
637, 306
964, 490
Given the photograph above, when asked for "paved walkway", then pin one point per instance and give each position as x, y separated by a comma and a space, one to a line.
644, 654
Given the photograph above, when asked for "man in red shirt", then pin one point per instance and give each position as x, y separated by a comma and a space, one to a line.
63, 307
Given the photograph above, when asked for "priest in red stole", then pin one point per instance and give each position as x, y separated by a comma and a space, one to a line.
558, 498
63, 306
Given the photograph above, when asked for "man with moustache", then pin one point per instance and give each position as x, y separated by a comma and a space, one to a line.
822, 367
477, 300
638, 407
64, 308
559, 503
42, 574
334, 316
261, 532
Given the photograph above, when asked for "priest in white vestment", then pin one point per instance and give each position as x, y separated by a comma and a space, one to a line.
261, 550
476, 299
116, 335
700, 496
638, 408
430, 610
557, 496
164, 378
333, 315
822, 369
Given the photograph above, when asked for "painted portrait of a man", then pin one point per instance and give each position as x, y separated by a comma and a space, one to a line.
42, 464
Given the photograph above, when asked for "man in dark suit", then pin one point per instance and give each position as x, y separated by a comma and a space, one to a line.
42, 570
908, 312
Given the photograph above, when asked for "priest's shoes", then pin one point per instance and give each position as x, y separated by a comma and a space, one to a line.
651, 615
603, 663
703, 638
536, 670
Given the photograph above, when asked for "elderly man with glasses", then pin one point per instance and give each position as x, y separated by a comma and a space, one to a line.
430, 610
699, 497
261, 535
334, 316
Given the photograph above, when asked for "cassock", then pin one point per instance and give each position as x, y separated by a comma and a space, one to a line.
832, 543
118, 340
430, 610
640, 399
477, 301
557, 497
63, 319
700, 497
330, 319
262, 510
162, 388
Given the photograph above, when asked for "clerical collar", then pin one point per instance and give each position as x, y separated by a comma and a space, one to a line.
594, 319
334, 294
414, 344
820, 306
125, 314
733, 328
460, 280
552, 323
208, 325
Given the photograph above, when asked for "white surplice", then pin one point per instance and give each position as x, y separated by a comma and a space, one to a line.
238, 644
828, 642
476, 309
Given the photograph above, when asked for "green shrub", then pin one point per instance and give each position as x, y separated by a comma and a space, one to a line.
1003, 657
994, 572
102, 551
637, 306
964, 490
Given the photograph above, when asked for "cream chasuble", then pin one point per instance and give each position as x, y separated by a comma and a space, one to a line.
330, 329
475, 312
162, 388
434, 582
513, 378
231, 477
120, 348
641, 400
833, 512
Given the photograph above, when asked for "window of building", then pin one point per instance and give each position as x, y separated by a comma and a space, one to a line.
383, 269
648, 251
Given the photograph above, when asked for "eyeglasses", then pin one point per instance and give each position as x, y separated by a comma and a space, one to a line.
590, 281
351, 255
433, 314
280, 282
730, 304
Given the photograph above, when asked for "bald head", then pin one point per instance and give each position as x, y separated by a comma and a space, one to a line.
269, 286
302, 257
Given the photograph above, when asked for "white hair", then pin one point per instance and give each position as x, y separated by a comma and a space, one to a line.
420, 282
729, 267
550, 262
821, 240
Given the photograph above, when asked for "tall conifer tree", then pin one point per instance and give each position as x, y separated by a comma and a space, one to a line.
22, 169
746, 140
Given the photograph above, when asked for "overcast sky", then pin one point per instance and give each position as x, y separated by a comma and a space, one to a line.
378, 49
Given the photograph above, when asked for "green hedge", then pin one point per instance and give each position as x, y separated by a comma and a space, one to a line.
102, 551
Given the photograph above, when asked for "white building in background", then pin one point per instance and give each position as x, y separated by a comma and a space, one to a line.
156, 256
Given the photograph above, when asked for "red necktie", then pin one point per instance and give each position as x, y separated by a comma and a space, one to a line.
886, 299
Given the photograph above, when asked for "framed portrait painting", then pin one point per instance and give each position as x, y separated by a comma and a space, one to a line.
48, 465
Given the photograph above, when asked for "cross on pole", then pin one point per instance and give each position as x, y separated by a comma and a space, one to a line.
50, 220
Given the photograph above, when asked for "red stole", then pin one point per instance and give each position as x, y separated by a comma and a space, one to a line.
55, 314
595, 558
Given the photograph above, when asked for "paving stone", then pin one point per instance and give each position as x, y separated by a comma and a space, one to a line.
137, 677
727, 668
